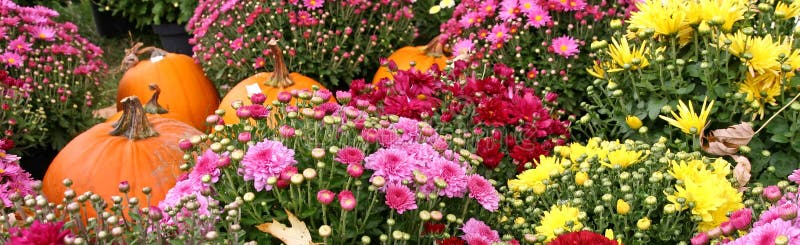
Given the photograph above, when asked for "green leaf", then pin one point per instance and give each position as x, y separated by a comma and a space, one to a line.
654, 106
685, 90
779, 138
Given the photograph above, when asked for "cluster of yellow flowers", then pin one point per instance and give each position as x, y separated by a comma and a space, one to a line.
707, 192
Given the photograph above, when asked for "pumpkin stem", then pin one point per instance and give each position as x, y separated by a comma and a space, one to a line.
152, 106
133, 123
132, 55
280, 76
435, 47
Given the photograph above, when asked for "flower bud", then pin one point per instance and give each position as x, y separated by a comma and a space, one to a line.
355, 170
325, 231
378, 181
325, 196
309, 173
643, 224
772, 193
124, 187
633, 122
580, 178
623, 207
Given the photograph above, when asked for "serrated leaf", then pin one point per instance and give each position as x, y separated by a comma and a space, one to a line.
298, 234
742, 170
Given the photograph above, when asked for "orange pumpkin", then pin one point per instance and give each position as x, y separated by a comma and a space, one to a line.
269, 83
140, 149
423, 58
192, 95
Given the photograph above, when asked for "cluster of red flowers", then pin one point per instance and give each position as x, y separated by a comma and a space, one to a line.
497, 111
582, 237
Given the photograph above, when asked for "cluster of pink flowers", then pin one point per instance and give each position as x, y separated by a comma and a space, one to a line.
505, 115
411, 162
47, 71
543, 39
265, 160
477, 232
13, 179
206, 172
328, 41
39, 233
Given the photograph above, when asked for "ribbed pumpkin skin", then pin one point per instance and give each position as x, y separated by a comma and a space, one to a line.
191, 96
96, 161
239, 92
403, 58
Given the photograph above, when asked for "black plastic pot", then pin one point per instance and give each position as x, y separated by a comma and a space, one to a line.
36, 161
174, 38
109, 25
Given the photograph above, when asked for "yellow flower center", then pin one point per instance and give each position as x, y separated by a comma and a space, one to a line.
527, 6
538, 18
41, 35
499, 34
563, 48
313, 2
11, 60
19, 46
488, 8
2, 170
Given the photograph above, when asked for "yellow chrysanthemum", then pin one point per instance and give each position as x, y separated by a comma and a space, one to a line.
787, 11
761, 89
624, 55
761, 54
533, 177
665, 18
722, 12
622, 158
710, 193
687, 120
561, 217
598, 70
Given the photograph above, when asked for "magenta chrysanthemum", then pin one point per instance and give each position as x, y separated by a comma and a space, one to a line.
565, 46
391, 164
400, 198
39, 233
11, 59
537, 16
43, 32
349, 155
451, 173
207, 164
463, 47
766, 234
313, 4
264, 160
795, 176
508, 10
14, 179
483, 192
499, 34
476, 230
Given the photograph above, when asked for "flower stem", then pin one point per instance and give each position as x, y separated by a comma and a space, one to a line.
778, 112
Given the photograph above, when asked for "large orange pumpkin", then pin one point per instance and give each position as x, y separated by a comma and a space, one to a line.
140, 149
423, 57
269, 83
192, 96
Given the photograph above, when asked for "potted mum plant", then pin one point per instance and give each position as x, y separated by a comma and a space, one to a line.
167, 18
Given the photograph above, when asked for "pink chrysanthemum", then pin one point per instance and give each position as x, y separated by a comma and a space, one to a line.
207, 164
264, 160
499, 34
565, 46
43, 32
795, 176
346, 200
12, 59
14, 179
469, 19
508, 10
488, 7
477, 230
313, 4
537, 17
463, 47
483, 192
39, 233
391, 164
19, 45
766, 234
349, 155
409, 127
528, 6
387, 137
400, 198
237, 44
451, 173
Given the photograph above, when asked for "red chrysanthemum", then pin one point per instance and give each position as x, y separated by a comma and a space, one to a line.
450, 241
489, 150
582, 237
433, 228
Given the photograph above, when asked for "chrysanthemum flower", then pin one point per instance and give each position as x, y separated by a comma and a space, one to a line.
761, 89
582, 237
529, 178
400, 198
761, 54
687, 120
39, 233
313, 4
499, 34
537, 16
787, 11
508, 10
710, 192
768, 233
11, 59
565, 46
623, 54
43, 32
726, 12
483, 192
478, 230
558, 217
622, 158
664, 17
264, 160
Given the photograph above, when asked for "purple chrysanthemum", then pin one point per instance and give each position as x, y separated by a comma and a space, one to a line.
264, 160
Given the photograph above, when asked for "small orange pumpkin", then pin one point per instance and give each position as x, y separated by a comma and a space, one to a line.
192, 96
423, 58
269, 83
137, 148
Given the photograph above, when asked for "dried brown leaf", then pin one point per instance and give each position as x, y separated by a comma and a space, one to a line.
742, 170
298, 234
106, 112
724, 142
